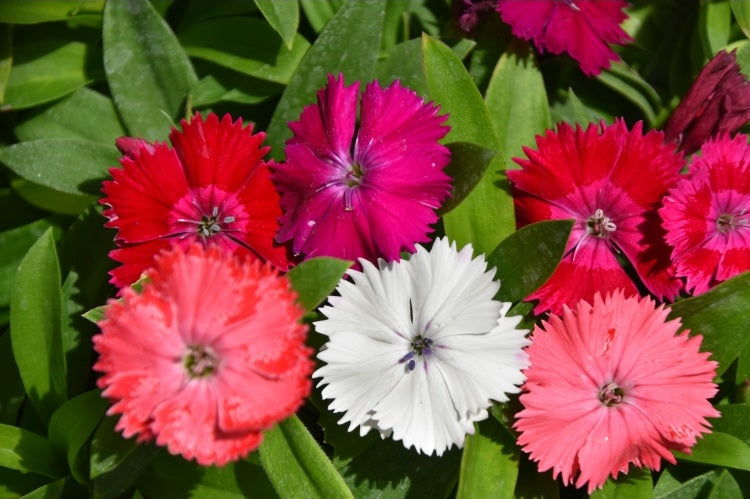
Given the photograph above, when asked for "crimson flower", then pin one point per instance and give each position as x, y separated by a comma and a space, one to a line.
368, 190
212, 186
611, 181
707, 215
209, 355
582, 28
612, 384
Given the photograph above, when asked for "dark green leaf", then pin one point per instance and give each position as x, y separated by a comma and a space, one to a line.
517, 101
741, 11
527, 258
72, 424
319, 12
349, 44
50, 199
244, 44
721, 316
714, 25
489, 464
65, 165
148, 72
467, 167
6, 58
39, 11
52, 490
35, 324
316, 278
46, 70
636, 483
725, 486
72, 119
296, 465
668, 487
734, 420
12, 394
630, 92
403, 62
282, 16
26, 451
719, 449
223, 85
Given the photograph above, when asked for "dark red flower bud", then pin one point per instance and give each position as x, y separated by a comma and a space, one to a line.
469, 14
718, 102
128, 146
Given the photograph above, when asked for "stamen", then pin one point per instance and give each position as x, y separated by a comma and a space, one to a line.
600, 225
611, 394
728, 222
199, 361
419, 347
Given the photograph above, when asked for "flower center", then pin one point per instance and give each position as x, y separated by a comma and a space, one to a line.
600, 225
208, 225
200, 361
728, 222
352, 179
611, 394
421, 346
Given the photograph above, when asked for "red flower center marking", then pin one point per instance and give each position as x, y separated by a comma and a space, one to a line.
611, 394
600, 225
728, 222
200, 361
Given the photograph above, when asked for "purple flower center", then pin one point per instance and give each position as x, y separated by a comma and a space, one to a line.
421, 346
200, 361
600, 225
728, 222
611, 394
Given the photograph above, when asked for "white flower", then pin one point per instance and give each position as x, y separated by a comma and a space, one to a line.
418, 348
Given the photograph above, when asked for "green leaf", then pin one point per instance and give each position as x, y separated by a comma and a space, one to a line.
721, 316
517, 100
71, 118
246, 45
35, 324
26, 451
50, 199
485, 217
148, 72
45, 70
66, 165
282, 16
719, 449
40, 11
527, 258
404, 62
6, 58
668, 487
489, 464
296, 465
734, 421
467, 167
630, 92
95, 314
223, 85
319, 12
714, 25
12, 394
72, 424
316, 278
725, 486
349, 44
50, 491
636, 483
741, 11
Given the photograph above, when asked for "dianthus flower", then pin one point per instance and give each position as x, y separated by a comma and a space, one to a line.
582, 28
209, 355
611, 182
365, 191
612, 384
417, 348
707, 215
213, 186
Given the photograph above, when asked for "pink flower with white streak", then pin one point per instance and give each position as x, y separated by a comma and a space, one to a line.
362, 190
707, 215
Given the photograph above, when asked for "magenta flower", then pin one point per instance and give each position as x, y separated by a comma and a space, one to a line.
582, 28
368, 190
707, 215
611, 182
612, 384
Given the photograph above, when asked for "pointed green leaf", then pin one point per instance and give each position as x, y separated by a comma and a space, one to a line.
348, 44
669, 487
630, 92
725, 486
26, 451
741, 11
148, 72
467, 167
296, 465
316, 278
282, 16
319, 12
40, 11
636, 483
721, 316
714, 25
6, 58
719, 449
50, 199
527, 258
489, 464
66, 165
35, 323
52, 490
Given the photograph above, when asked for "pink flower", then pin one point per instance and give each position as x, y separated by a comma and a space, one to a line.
582, 28
368, 190
707, 215
207, 356
213, 186
610, 385
610, 180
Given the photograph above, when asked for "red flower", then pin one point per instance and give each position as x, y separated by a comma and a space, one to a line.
611, 182
582, 28
209, 355
213, 186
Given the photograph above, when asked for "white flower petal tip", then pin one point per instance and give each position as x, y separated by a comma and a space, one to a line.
418, 349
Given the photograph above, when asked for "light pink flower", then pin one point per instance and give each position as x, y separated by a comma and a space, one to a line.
612, 384
582, 28
368, 190
707, 215
209, 355
611, 181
